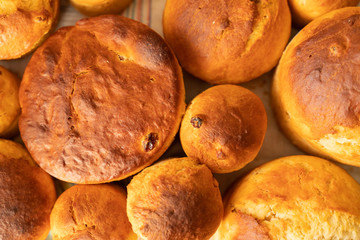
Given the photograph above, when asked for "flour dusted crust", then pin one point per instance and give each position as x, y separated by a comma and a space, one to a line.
27, 195
105, 102
227, 41
24, 25
316, 86
91, 212
177, 199
297, 197
224, 127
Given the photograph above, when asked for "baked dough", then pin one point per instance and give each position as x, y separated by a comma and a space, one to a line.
316, 87
106, 101
291, 198
24, 25
98, 7
224, 127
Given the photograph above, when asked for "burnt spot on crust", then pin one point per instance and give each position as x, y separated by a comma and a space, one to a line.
150, 141
196, 122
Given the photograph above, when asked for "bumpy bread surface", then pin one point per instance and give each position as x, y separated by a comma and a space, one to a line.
27, 195
24, 25
304, 11
316, 86
297, 197
98, 7
91, 212
178, 199
227, 41
106, 101
9, 103
224, 127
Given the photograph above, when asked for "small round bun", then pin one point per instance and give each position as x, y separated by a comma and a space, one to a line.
297, 197
227, 41
91, 212
9, 103
177, 199
99, 7
106, 101
316, 86
27, 195
224, 127
304, 11
24, 25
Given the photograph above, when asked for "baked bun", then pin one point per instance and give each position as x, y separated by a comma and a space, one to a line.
304, 11
224, 127
98, 7
315, 89
24, 25
177, 199
9, 103
227, 41
106, 101
91, 212
297, 197
27, 195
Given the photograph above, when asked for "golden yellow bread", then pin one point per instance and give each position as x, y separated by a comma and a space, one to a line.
27, 195
177, 199
293, 198
24, 25
9, 103
106, 101
98, 7
227, 41
304, 11
316, 86
224, 127
91, 212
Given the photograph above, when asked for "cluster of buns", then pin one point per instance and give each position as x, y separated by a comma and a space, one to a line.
103, 100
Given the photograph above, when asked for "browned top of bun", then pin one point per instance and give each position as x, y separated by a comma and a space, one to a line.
105, 102
176, 199
223, 41
24, 25
91, 212
224, 127
27, 195
323, 68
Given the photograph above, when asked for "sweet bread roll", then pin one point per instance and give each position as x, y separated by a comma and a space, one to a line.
227, 41
315, 88
106, 101
91, 212
98, 7
9, 103
224, 127
291, 198
24, 25
27, 195
304, 11
177, 199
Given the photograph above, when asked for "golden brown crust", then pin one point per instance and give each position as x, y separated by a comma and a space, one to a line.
224, 127
227, 41
177, 199
99, 7
297, 197
106, 102
27, 195
91, 212
315, 89
9, 103
304, 11
24, 25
